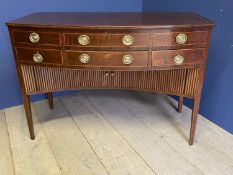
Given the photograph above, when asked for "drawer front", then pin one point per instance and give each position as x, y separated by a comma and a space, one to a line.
39, 56
36, 37
178, 58
197, 38
107, 40
108, 59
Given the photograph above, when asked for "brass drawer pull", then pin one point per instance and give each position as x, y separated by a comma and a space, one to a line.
112, 74
181, 38
38, 58
84, 40
178, 59
34, 37
84, 58
127, 59
128, 40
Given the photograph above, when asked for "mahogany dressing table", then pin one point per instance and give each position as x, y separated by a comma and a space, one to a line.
156, 52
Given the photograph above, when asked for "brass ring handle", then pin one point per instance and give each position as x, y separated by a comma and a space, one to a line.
178, 59
128, 40
34, 37
112, 74
181, 38
127, 59
38, 58
84, 58
84, 40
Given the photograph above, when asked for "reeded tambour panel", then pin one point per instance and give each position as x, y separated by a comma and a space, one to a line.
47, 79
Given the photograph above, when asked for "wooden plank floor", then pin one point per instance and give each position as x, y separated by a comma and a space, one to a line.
111, 132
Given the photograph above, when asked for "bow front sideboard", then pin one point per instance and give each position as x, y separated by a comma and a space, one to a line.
155, 52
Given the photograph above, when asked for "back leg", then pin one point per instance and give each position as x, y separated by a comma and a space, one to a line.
50, 100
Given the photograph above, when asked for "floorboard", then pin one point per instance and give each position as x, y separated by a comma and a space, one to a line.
158, 113
6, 162
154, 150
30, 157
114, 152
70, 148
207, 132
111, 132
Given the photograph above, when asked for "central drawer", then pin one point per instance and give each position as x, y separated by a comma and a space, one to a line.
104, 39
107, 59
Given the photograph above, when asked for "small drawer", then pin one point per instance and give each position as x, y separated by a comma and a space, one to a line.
107, 40
107, 59
36, 37
178, 58
196, 38
39, 56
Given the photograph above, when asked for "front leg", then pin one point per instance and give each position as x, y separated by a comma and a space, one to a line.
194, 119
28, 112
196, 104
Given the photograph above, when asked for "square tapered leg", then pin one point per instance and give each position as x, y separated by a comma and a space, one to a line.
28, 112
